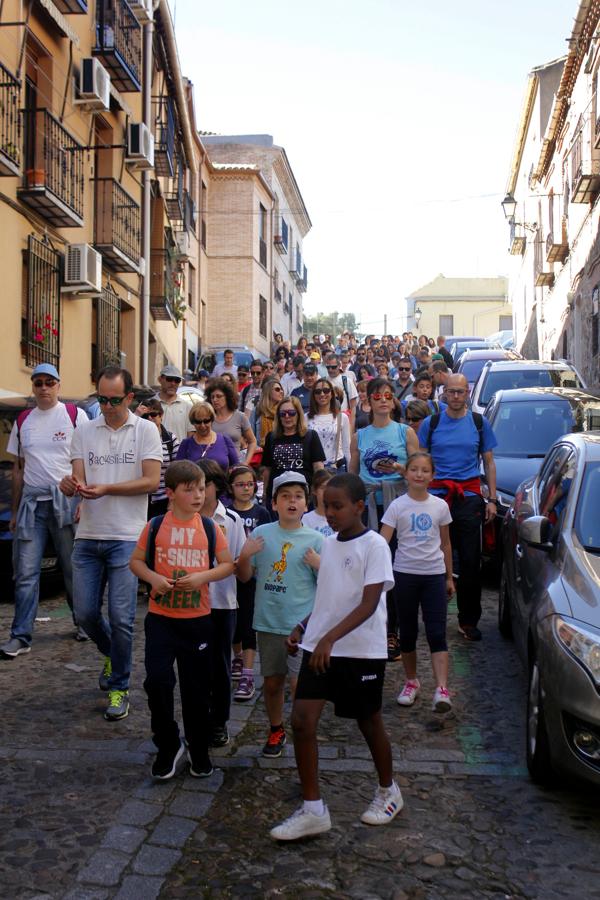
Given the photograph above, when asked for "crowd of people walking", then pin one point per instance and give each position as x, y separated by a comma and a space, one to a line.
258, 510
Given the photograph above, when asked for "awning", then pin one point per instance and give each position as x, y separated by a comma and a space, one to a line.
60, 21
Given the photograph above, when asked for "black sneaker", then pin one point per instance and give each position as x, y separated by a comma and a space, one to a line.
470, 632
394, 652
200, 768
275, 744
219, 737
165, 763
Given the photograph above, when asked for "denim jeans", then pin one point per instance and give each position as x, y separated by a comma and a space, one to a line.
95, 564
27, 562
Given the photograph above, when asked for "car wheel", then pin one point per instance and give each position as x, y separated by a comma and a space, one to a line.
504, 619
538, 745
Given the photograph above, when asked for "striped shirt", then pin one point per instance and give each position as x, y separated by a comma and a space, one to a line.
169, 443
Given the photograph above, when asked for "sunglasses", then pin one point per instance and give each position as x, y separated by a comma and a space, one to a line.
386, 395
287, 414
40, 382
151, 415
256, 372
412, 419
269, 366
332, 368
110, 401
318, 391
172, 379
278, 388
202, 421
403, 369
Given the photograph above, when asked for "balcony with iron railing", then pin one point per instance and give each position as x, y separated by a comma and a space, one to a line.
303, 283
117, 226
162, 284
518, 241
71, 6
164, 139
119, 43
10, 123
281, 238
54, 165
557, 245
190, 213
542, 270
584, 165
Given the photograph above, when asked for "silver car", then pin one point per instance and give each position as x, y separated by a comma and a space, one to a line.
550, 600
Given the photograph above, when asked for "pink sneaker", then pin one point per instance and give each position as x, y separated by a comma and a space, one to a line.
409, 692
441, 700
237, 668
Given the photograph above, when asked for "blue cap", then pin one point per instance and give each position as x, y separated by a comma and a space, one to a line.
203, 373
46, 369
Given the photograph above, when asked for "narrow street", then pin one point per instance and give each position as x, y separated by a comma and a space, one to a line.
80, 817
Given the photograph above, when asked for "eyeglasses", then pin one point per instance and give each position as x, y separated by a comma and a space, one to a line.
151, 415
318, 391
457, 392
202, 421
243, 484
386, 395
110, 401
172, 379
41, 382
287, 414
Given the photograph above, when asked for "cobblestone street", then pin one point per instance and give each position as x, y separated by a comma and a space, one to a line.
80, 817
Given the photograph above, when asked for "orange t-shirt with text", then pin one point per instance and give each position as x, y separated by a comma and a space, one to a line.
181, 549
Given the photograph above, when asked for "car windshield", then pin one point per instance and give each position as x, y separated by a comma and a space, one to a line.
587, 520
508, 379
472, 368
528, 428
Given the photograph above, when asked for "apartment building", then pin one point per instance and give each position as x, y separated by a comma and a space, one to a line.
257, 222
460, 306
552, 207
100, 189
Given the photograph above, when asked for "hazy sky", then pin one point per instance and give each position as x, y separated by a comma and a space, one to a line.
398, 119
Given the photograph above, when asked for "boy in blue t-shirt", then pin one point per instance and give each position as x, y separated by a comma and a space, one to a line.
279, 555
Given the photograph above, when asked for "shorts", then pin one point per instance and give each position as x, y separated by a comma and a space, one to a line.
354, 686
274, 657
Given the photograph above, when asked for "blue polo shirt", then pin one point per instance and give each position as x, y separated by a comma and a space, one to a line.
455, 445
303, 394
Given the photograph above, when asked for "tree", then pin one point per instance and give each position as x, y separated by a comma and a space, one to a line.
329, 323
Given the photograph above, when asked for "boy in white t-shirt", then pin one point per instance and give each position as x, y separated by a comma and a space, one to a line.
423, 576
345, 651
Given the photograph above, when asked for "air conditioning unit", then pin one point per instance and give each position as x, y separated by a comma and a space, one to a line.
183, 244
140, 146
142, 10
94, 85
83, 269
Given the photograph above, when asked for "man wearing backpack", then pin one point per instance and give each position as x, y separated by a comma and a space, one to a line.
41, 442
457, 439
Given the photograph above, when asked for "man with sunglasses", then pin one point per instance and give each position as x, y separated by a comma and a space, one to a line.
403, 382
116, 462
176, 407
251, 392
41, 442
346, 385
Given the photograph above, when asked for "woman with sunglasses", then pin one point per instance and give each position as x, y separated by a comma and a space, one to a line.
416, 412
262, 418
228, 418
205, 443
290, 446
153, 412
333, 428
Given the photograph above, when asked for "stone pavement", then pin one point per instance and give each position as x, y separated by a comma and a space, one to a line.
80, 817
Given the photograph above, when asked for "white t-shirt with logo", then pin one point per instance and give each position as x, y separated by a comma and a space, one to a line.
346, 568
110, 457
314, 520
45, 445
417, 524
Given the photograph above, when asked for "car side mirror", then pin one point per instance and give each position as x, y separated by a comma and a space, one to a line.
536, 532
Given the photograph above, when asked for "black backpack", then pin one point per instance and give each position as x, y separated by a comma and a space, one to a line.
477, 419
156, 522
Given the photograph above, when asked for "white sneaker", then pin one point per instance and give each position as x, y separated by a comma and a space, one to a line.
301, 824
441, 700
385, 806
409, 693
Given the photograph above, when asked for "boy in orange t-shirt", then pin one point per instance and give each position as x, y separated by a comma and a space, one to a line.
178, 624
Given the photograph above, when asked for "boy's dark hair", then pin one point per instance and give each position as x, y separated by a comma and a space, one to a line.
351, 484
422, 376
439, 366
111, 372
213, 473
183, 471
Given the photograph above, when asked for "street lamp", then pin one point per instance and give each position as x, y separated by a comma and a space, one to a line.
509, 206
417, 316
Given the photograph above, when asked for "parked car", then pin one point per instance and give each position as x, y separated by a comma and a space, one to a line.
460, 346
505, 338
472, 362
526, 422
550, 598
504, 375
51, 580
215, 356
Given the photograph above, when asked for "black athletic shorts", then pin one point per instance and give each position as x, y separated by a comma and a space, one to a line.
354, 686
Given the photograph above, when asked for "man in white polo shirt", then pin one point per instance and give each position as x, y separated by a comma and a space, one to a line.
176, 407
115, 465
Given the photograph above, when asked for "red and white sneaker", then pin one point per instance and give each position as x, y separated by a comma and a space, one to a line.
409, 693
441, 700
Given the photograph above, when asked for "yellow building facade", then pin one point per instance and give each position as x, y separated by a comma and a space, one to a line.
473, 307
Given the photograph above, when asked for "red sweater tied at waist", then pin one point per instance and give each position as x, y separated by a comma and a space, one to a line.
455, 490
